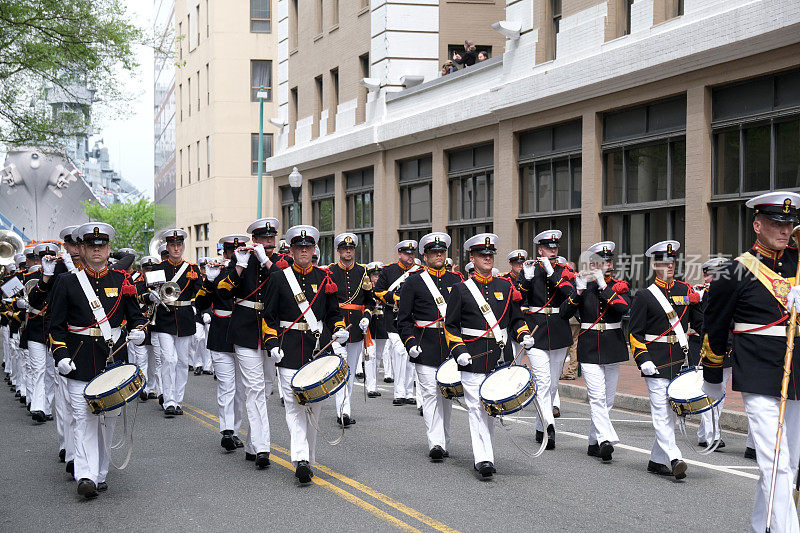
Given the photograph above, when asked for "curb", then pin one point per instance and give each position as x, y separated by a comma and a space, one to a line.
730, 420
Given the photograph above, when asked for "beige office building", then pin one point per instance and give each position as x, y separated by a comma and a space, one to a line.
226, 52
629, 120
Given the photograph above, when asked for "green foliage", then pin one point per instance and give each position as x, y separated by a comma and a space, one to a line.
52, 47
132, 221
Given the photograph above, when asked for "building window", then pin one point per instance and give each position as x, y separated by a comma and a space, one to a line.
193, 33
625, 17
470, 177
359, 196
189, 161
260, 76
201, 232
208, 20
416, 193
318, 13
180, 100
550, 185
334, 100
208, 156
334, 12
260, 20
197, 23
180, 40
287, 202
294, 16
556, 10
198, 90
644, 177
322, 215
254, 150
180, 165
208, 85
756, 149
189, 94
197, 150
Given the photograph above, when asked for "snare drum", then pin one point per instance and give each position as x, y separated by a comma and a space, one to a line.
114, 387
685, 393
507, 390
448, 378
320, 379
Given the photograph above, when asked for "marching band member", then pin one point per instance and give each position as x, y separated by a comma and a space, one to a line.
600, 302
660, 315
230, 390
387, 290
175, 325
755, 293
87, 310
15, 317
301, 300
246, 285
546, 285
420, 322
147, 357
482, 315
356, 301
200, 354
32, 272
516, 259
377, 328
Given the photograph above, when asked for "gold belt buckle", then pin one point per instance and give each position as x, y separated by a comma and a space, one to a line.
490, 335
601, 326
303, 326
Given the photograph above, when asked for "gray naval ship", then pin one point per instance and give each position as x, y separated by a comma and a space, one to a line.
41, 191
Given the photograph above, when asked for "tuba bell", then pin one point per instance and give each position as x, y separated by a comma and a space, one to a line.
10, 245
169, 292
155, 244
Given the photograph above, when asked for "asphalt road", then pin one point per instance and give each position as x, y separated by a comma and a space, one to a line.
379, 478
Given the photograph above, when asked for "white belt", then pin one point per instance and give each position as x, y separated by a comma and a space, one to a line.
668, 339
221, 313
478, 333
299, 326
258, 306
94, 332
771, 331
543, 311
439, 324
179, 303
601, 326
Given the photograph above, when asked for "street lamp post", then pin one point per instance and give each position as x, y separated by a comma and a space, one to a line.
261, 95
295, 182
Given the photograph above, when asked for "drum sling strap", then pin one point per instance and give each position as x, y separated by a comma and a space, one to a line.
305, 309
396, 283
180, 272
438, 299
97, 309
672, 316
500, 334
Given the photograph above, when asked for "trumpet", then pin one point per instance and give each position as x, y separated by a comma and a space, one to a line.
169, 292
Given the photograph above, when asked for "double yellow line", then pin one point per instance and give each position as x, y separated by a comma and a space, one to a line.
205, 419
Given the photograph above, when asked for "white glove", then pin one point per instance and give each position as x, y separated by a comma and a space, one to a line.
261, 254
65, 366
364, 324
649, 368
136, 336
527, 342
339, 350
414, 352
463, 359
242, 257
793, 298
212, 273
48, 265
548, 268
154, 297
580, 283
341, 336
22, 303
600, 278
528, 270
206, 318
67, 261
277, 354
713, 390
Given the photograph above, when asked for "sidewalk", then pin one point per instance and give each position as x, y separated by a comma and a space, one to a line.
632, 395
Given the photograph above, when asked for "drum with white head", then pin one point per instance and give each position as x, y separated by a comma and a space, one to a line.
507, 390
448, 378
114, 387
320, 379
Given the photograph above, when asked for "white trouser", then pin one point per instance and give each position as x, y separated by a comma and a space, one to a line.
28, 376
138, 356
64, 417
435, 408
6, 353
230, 391
557, 358
386, 357
481, 425
258, 375
540, 365
302, 420
664, 448
200, 354
371, 366
762, 415
174, 367
706, 432
91, 459
131, 352
403, 369
41, 377
601, 384
154, 366
749, 440
17, 363
354, 350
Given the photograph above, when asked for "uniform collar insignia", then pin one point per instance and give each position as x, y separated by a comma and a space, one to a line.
175, 264
433, 272
483, 279
767, 253
95, 273
343, 267
304, 271
663, 284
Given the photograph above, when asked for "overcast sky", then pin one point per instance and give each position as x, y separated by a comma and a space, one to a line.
129, 136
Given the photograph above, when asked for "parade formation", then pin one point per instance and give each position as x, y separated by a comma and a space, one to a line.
88, 332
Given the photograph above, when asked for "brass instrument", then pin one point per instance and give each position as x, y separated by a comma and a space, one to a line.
29, 285
155, 244
169, 292
10, 245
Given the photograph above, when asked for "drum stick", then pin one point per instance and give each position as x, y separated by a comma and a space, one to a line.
522, 350
78, 349
332, 341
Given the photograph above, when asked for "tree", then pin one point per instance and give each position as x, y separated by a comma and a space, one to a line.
53, 47
132, 221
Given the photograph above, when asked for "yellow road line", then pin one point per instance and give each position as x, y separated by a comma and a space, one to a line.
352, 498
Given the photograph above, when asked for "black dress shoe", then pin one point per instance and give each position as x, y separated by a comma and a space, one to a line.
388, 380
398, 401
62, 454
373, 394
198, 370
606, 449
539, 436
485, 469
262, 459
678, 468
720, 445
70, 468
208, 372
143, 396
161, 400
359, 375
178, 410
436, 453
169, 412
17, 394
151, 396
345, 420
303, 472
49, 418
249, 456
191, 368
446, 454
556, 412
593, 450
227, 440
411, 401
102, 486
23, 400
750, 453
238, 441
420, 410
702, 444
551, 437
658, 468
87, 488
38, 416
